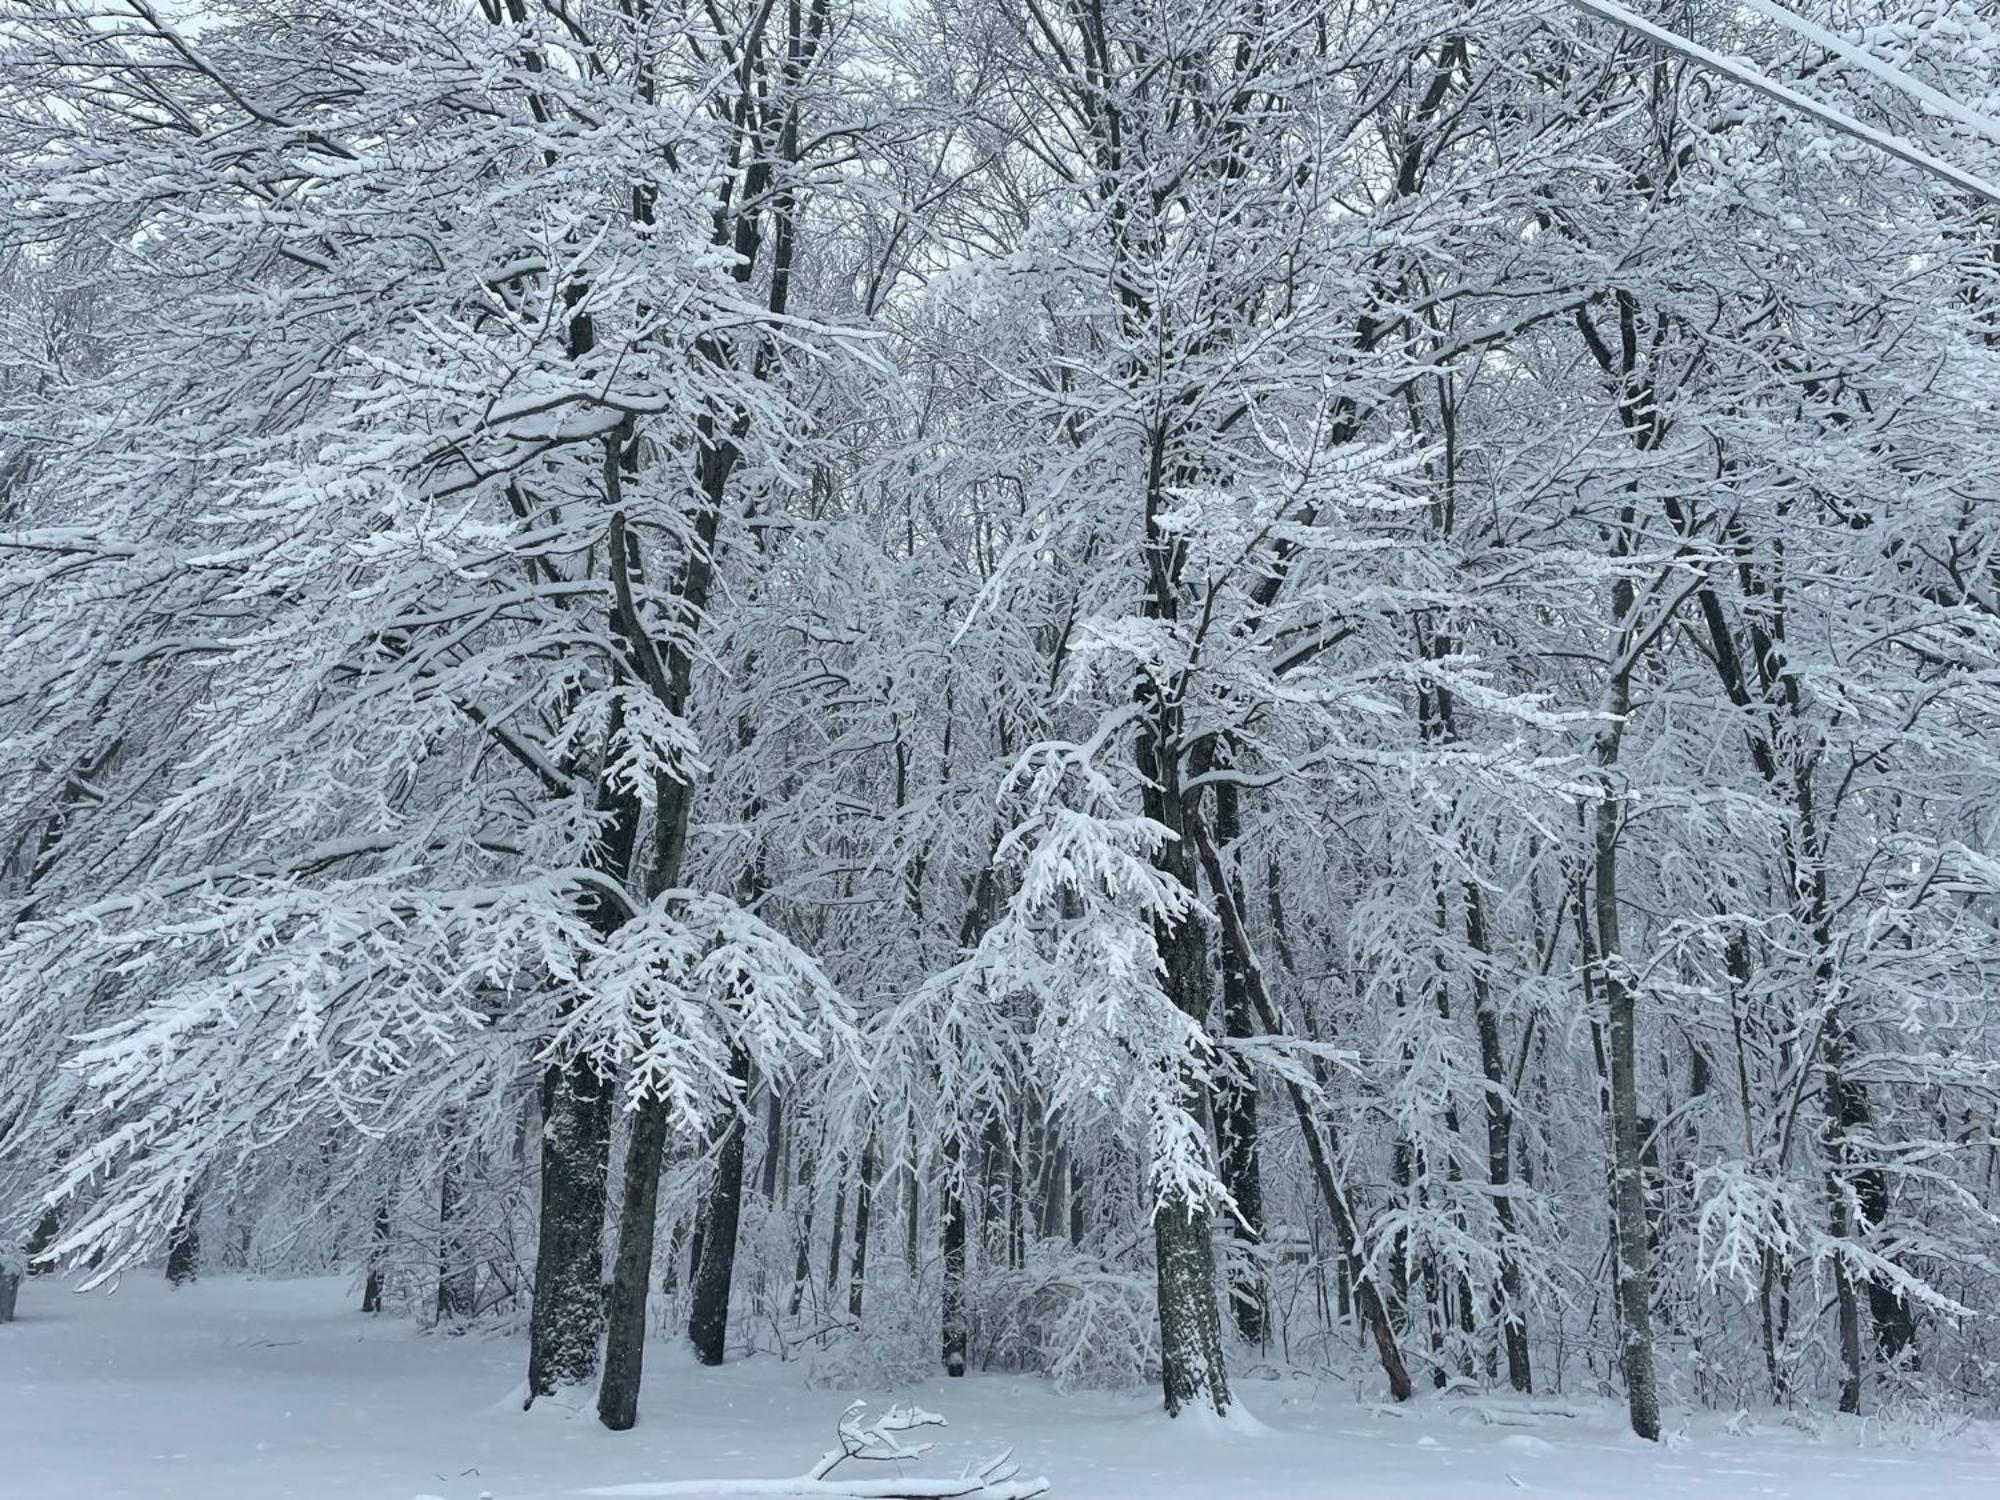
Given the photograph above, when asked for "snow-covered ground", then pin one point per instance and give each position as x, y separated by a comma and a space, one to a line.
248, 1390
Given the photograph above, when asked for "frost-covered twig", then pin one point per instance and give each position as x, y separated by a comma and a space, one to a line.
996, 1479
1826, 114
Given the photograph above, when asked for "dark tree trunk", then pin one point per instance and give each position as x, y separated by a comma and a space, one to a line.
646, 1144
992, 1195
625, 1315
1191, 1363
857, 1270
1017, 1201
1191, 1368
1889, 1311
838, 1235
1053, 1220
1841, 1109
953, 1318
774, 1140
801, 1269
1628, 1191
1847, 1321
1634, 1259
708, 1321
1499, 1148
378, 1261
912, 1205
695, 1236
980, 908
184, 1241
458, 1272
670, 1274
802, 1264
47, 1227
10, 1291
1236, 1112
1894, 1319
566, 1324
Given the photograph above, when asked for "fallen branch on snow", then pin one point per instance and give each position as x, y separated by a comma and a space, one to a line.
878, 1441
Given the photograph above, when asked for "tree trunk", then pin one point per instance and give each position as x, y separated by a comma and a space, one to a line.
1499, 1148
566, 1324
1628, 1195
10, 1291
184, 1241
1191, 1368
708, 1321
1236, 1113
1889, 1310
458, 1273
857, 1270
1017, 1194
774, 1140
980, 907
47, 1227
802, 1263
1841, 1109
953, 1311
912, 1204
1191, 1364
625, 1317
838, 1234
1635, 1272
378, 1261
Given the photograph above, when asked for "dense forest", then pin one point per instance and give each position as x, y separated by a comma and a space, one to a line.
1136, 689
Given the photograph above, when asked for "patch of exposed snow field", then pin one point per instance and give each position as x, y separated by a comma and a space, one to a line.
239, 1389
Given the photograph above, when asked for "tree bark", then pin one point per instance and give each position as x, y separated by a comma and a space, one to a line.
46, 1229
1499, 1148
567, 1321
1841, 1109
1236, 1113
802, 1262
566, 1324
458, 1274
625, 1316
184, 1241
378, 1261
774, 1140
1635, 1271
708, 1321
1633, 1259
837, 1236
912, 1203
1191, 1363
952, 1315
857, 1270
980, 908
1191, 1368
